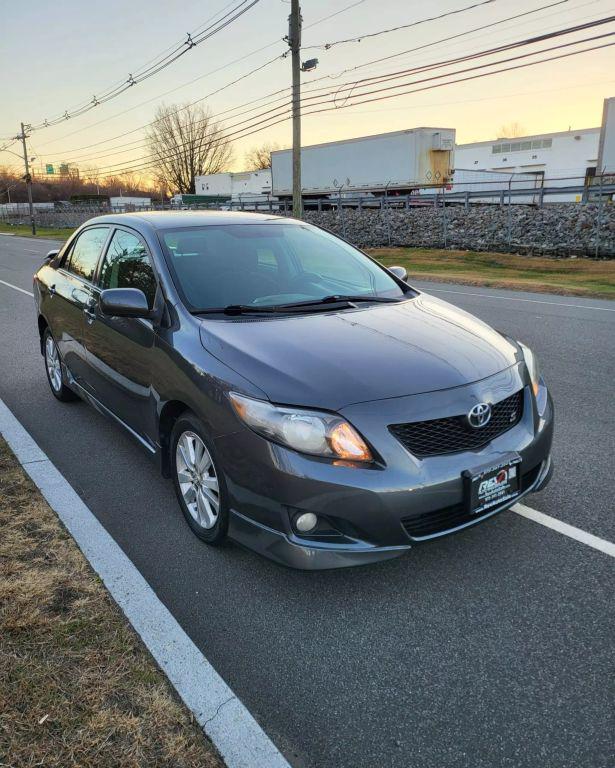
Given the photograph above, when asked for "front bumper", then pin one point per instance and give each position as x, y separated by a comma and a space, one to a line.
367, 505
295, 552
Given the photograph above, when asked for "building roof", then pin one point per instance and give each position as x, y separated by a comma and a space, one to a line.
530, 137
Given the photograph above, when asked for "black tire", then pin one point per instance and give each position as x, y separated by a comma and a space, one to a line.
57, 385
188, 425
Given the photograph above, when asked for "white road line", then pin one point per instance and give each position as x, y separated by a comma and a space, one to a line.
38, 253
602, 545
516, 298
17, 288
226, 721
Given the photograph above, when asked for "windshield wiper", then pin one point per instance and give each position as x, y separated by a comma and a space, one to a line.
235, 309
271, 309
337, 299
361, 297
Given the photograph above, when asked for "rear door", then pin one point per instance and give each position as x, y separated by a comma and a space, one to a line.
120, 349
69, 296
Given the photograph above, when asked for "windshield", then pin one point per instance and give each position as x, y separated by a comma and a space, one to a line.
265, 265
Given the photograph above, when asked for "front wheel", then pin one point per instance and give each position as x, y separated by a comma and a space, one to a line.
198, 482
53, 367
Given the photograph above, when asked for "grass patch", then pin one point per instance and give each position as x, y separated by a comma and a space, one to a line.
77, 686
25, 230
574, 277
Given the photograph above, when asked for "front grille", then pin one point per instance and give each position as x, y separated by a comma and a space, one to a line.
442, 520
453, 434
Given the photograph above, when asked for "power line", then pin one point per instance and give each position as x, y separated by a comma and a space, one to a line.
180, 109
192, 40
477, 76
200, 77
279, 117
488, 98
285, 90
448, 38
327, 77
498, 49
166, 93
140, 143
336, 13
327, 46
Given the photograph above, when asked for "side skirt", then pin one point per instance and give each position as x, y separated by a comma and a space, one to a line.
153, 450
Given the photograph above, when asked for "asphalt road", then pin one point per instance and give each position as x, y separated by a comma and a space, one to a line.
491, 648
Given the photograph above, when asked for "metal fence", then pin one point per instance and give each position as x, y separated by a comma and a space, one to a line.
502, 214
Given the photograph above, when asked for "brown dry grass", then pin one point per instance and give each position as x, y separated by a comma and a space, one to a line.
572, 277
77, 686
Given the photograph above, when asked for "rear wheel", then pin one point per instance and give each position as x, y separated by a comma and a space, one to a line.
199, 484
53, 367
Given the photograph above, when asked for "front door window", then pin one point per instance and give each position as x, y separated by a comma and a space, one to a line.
127, 265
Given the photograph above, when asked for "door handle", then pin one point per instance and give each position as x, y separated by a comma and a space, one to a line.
89, 310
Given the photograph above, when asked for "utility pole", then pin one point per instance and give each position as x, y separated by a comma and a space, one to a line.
294, 41
28, 177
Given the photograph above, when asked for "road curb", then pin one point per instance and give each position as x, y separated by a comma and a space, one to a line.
226, 721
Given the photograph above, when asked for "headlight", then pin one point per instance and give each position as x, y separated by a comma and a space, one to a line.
320, 434
532, 366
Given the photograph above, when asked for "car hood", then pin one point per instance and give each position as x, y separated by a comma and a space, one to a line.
333, 359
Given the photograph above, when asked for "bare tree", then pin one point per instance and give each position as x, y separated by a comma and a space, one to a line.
184, 142
511, 131
259, 158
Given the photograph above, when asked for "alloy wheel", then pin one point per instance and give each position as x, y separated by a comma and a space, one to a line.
52, 361
197, 479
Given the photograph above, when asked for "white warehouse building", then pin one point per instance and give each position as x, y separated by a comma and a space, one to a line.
565, 158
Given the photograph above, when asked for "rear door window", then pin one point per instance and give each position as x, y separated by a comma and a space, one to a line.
86, 251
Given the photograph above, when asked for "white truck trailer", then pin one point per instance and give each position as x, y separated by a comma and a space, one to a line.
123, 203
251, 185
402, 161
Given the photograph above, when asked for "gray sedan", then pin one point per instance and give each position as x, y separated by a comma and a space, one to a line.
306, 401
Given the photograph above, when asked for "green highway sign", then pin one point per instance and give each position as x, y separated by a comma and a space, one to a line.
49, 169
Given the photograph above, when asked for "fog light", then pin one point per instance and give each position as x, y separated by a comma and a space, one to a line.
306, 522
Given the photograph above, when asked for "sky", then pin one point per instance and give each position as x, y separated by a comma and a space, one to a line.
55, 56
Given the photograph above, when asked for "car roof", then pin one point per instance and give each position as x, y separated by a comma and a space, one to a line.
172, 219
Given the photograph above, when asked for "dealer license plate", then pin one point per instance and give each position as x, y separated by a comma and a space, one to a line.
491, 486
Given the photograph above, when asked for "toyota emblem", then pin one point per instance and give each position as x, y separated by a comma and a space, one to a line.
479, 416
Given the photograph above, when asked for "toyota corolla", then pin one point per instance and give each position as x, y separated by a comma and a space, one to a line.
306, 401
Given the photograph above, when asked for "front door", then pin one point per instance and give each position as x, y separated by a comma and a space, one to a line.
120, 349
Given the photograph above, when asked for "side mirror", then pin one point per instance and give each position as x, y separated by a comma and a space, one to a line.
399, 272
52, 254
124, 302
